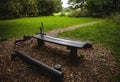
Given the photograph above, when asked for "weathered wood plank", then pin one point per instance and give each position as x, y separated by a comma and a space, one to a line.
62, 41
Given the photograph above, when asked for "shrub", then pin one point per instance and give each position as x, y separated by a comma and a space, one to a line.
116, 18
78, 13
73, 13
62, 14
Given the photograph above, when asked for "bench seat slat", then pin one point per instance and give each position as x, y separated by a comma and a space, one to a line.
61, 41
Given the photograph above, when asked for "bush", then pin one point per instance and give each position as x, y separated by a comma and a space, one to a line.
116, 18
78, 13
73, 13
98, 15
62, 14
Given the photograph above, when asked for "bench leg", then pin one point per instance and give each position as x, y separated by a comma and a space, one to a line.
40, 42
73, 51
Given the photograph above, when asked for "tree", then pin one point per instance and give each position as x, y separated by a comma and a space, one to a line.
101, 7
44, 6
57, 5
48, 7
77, 3
20, 8
31, 8
11, 9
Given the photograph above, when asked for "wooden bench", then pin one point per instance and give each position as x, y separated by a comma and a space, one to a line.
55, 73
70, 44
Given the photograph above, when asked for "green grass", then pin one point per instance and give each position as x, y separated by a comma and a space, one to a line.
19, 27
105, 33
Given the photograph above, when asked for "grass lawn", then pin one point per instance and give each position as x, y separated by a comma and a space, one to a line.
19, 27
105, 33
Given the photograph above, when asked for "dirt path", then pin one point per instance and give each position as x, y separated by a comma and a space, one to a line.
55, 32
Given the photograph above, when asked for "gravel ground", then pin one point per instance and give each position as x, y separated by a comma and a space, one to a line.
98, 64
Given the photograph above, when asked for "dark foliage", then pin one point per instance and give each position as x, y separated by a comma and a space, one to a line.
97, 8
21, 8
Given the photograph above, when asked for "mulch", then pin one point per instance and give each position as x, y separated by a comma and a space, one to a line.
92, 68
